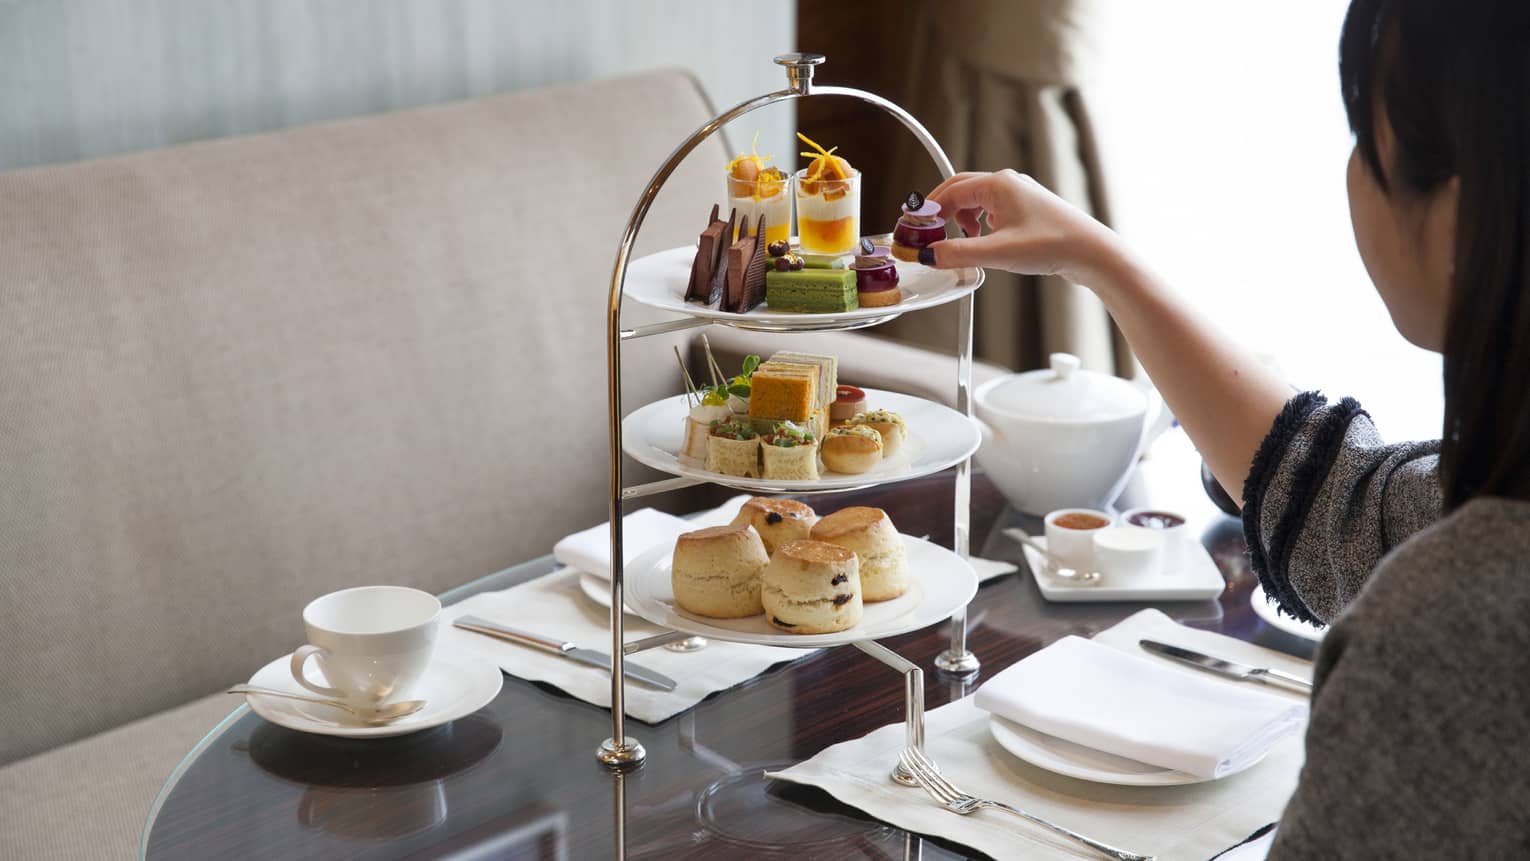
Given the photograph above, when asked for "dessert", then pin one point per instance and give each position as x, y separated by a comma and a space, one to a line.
826, 261
849, 402
828, 202
828, 381
789, 451
778, 521
783, 392
921, 224
889, 424
811, 587
876, 277
716, 571
757, 191
711, 254
733, 448
745, 278
811, 291
871, 534
852, 449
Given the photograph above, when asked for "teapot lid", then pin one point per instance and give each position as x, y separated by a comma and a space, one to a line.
1064, 392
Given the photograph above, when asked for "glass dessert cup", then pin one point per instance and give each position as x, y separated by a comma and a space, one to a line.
775, 209
828, 213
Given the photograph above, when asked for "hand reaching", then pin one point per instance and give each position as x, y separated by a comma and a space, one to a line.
1033, 231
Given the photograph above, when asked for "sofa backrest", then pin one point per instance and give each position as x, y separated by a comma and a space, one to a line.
239, 374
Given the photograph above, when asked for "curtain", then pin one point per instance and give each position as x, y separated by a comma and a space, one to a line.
1003, 84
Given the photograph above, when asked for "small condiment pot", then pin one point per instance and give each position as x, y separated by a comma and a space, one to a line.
1063, 437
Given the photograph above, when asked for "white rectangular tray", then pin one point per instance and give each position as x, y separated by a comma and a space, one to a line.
1189, 574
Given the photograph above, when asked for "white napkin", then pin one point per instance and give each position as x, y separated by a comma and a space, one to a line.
590, 549
1194, 821
554, 606
1138, 707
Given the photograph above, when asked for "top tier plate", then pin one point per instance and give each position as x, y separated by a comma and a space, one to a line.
658, 280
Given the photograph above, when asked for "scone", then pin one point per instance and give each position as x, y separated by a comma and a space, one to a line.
716, 571
811, 587
778, 521
871, 534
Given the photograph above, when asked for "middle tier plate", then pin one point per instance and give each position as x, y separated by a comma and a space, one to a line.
938, 437
658, 280
940, 584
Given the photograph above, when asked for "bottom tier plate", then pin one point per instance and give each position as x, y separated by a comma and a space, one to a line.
941, 583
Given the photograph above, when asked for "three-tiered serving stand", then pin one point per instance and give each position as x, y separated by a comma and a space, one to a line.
621, 751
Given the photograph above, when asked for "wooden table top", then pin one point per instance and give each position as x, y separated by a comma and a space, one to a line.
519, 778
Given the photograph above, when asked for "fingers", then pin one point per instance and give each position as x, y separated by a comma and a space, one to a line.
958, 253
939, 188
967, 220
983, 191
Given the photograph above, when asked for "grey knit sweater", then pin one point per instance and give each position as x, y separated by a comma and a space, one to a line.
1419, 742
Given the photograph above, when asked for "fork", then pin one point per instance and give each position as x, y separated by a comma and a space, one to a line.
960, 802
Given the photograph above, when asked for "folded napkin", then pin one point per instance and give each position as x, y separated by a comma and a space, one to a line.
1193, 821
590, 550
1139, 707
554, 606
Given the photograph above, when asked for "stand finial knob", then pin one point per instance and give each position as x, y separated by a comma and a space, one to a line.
799, 70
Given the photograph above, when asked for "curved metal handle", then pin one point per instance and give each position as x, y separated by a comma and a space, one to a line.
1103, 848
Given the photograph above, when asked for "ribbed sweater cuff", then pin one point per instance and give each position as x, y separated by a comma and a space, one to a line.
1286, 511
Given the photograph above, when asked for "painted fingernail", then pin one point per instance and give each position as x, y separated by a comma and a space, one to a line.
927, 255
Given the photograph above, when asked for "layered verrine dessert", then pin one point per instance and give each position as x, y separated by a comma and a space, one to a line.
828, 195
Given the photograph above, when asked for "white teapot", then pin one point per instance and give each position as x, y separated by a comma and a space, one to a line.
1063, 437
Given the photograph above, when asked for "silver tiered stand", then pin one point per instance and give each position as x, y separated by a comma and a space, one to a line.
621, 751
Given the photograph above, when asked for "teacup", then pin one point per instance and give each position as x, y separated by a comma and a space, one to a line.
372, 643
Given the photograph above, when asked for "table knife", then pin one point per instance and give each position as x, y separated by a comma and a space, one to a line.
564, 649
1227, 669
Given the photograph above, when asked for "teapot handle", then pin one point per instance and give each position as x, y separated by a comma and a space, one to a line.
1159, 419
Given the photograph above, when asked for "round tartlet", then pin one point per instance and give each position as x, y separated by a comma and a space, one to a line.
852, 449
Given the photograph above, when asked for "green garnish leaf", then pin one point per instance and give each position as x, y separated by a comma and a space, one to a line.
751, 363
740, 390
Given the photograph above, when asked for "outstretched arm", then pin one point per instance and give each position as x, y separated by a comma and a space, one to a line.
1226, 400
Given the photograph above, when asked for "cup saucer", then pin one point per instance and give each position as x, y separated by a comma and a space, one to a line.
451, 688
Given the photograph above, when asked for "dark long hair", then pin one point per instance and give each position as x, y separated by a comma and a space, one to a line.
1453, 79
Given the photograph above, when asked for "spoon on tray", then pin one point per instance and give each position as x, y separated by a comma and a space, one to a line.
1054, 566
371, 717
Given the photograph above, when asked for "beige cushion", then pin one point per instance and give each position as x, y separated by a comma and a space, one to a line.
243, 373
89, 799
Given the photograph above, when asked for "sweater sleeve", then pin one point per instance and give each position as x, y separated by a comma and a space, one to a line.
1326, 499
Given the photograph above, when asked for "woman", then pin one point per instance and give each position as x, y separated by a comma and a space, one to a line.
1417, 554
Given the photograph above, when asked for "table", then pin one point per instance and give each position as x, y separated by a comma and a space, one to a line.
518, 779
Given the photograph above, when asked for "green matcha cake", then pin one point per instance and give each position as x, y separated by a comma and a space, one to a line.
812, 291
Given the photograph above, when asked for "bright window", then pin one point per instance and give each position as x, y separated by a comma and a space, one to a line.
1226, 145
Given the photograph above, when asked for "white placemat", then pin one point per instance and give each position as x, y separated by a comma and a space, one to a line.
554, 605
1173, 822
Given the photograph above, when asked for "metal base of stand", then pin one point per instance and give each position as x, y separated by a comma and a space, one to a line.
957, 663
689, 644
628, 754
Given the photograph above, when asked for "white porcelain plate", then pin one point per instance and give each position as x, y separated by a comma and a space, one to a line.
938, 437
1085, 763
659, 280
1264, 609
1188, 574
451, 689
941, 583
598, 589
